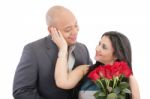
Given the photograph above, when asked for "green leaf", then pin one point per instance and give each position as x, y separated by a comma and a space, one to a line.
123, 85
126, 90
100, 97
121, 96
112, 96
99, 94
116, 90
96, 94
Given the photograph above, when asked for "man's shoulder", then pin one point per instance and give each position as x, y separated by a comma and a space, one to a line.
38, 41
78, 44
80, 47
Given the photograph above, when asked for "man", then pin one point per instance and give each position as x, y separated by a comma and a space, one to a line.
34, 77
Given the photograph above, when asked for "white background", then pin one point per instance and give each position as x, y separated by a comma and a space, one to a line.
23, 21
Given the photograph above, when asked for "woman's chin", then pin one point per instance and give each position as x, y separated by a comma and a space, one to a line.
96, 58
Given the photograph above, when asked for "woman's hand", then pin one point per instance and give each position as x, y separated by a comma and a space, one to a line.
58, 38
68, 80
83, 68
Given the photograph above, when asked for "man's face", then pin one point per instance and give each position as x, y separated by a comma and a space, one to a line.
68, 27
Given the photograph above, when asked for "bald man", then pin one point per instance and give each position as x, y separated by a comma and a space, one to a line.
34, 77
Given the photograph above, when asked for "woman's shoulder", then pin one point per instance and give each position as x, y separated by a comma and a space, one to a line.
88, 85
88, 88
92, 67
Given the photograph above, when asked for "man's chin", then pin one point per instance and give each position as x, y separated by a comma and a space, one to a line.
72, 43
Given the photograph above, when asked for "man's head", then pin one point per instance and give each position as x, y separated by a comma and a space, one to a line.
63, 20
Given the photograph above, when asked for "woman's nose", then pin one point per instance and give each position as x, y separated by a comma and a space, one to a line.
98, 48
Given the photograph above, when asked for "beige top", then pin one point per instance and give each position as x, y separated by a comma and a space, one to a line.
71, 58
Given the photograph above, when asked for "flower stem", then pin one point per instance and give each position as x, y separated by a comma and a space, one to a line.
102, 85
115, 81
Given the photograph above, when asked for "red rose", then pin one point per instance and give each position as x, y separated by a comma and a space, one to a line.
116, 69
94, 75
126, 71
108, 72
101, 71
109, 77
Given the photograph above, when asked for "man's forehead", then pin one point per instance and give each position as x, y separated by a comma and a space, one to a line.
71, 24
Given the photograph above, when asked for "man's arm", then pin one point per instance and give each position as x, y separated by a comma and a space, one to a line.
25, 80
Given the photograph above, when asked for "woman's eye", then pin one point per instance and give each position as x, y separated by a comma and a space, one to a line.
104, 46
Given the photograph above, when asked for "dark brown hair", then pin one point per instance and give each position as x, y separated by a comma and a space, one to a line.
121, 45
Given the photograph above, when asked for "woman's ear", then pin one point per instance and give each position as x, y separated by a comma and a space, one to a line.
115, 58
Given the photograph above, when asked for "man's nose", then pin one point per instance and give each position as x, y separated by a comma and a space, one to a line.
75, 30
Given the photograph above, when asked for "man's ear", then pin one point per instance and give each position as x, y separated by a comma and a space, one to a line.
49, 29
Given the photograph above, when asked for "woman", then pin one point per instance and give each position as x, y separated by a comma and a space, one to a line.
112, 47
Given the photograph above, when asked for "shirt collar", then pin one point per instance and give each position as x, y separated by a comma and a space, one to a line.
71, 48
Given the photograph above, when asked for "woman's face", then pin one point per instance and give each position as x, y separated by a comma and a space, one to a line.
104, 51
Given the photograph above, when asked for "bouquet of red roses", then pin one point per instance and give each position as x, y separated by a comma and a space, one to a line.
110, 80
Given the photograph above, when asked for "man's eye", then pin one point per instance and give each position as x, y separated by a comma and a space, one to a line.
76, 26
67, 30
